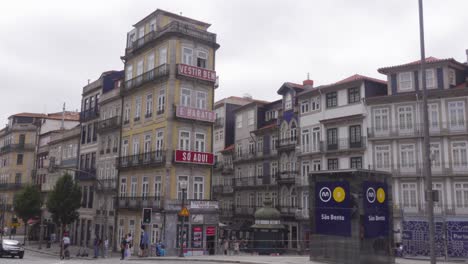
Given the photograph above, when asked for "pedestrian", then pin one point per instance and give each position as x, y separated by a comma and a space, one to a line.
96, 246
236, 247
144, 241
226, 246
129, 246
105, 247
123, 247
66, 244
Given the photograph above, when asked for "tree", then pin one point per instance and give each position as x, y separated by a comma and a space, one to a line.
63, 203
27, 204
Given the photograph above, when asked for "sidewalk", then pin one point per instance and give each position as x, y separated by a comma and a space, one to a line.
54, 250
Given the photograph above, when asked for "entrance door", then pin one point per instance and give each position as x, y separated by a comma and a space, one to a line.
210, 244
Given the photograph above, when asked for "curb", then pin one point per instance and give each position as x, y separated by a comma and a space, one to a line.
54, 254
185, 259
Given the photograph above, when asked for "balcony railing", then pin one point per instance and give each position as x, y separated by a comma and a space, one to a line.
219, 122
286, 142
253, 181
86, 175
89, 114
154, 158
16, 147
11, 186
137, 203
288, 176
419, 208
106, 185
223, 189
416, 168
109, 124
417, 130
288, 210
345, 144
175, 27
149, 76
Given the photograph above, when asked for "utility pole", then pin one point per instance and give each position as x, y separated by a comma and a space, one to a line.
426, 146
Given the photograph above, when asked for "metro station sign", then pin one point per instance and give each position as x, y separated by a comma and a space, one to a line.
196, 72
195, 114
186, 156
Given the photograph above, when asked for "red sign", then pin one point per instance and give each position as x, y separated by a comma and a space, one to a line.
195, 113
210, 230
196, 72
187, 156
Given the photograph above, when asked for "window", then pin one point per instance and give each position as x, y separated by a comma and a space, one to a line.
457, 114
157, 186
407, 156
332, 99
409, 195
438, 188
259, 199
405, 118
293, 131
19, 159
202, 57
126, 113
305, 169
199, 142
251, 200
315, 103
459, 155
181, 182
260, 170
288, 101
354, 95
147, 146
274, 142
405, 81
239, 149
150, 62
149, 105
201, 100
198, 188
162, 55
145, 187
239, 121
184, 140
152, 25
315, 139
133, 186
129, 73
461, 195
251, 148
274, 171
304, 107
187, 54
124, 147
451, 77
250, 117
382, 157
356, 162
332, 164
435, 155
305, 141
159, 142
185, 97
430, 78
433, 116
161, 100
316, 165
355, 136
139, 68
260, 145
137, 108
332, 138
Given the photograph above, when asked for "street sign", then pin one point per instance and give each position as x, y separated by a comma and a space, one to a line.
184, 212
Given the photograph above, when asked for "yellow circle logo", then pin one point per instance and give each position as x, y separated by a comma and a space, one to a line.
380, 195
339, 194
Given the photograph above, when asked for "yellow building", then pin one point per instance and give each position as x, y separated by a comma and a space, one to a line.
167, 119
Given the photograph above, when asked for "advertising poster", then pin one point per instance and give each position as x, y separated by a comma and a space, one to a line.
333, 208
197, 237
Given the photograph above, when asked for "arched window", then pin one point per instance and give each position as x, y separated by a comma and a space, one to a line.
287, 101
293, 197
285, 196
293, 131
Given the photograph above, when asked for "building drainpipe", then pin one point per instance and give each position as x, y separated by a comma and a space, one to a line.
116, 229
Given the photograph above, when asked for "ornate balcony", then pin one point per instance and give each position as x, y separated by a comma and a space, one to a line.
89, 114
109, 124
286, 143
149, 159
16, 147
138, 203
156, 74
345, 144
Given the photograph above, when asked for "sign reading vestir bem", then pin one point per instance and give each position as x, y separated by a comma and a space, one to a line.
375, 209
333, 208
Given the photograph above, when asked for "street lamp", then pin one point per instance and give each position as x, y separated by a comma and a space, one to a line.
183, 187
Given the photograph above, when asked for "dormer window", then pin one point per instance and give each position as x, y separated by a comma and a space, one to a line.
430, 78
405, 81
451, 77
288, 101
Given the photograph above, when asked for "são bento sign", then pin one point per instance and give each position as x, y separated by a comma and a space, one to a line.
333, 208
186, 156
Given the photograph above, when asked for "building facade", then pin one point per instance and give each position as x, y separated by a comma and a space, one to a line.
166, 145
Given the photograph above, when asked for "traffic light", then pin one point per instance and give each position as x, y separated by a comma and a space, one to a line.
147, 215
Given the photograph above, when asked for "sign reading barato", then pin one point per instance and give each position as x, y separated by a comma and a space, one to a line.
196, 72
187, 156
195, 113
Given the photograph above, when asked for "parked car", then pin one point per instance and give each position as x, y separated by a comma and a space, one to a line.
11, 248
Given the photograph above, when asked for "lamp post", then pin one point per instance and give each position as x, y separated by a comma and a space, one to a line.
183, 186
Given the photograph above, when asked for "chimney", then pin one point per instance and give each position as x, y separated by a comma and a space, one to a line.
308, 83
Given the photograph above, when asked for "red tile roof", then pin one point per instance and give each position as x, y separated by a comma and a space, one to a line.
358, 77
429, 60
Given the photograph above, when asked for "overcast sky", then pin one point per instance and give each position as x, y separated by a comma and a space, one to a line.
49, 49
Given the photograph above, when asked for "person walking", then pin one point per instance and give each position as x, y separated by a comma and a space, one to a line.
96, 246
144, 241
105, 246
236, 247
123, 247
128, 252
226, 246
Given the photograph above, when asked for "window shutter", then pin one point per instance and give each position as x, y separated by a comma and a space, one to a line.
394, 83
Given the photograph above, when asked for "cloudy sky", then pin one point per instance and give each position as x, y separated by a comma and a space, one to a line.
49, 49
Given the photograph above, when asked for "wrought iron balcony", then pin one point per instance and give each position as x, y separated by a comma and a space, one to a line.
419, 208
11, 186
154, 158
106, 185
138, 203
286, 143
89, 114
16, 147
223, 189
417, 130
287, 176
155, 74
345, 144
109, 124
86, 175
173, 28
